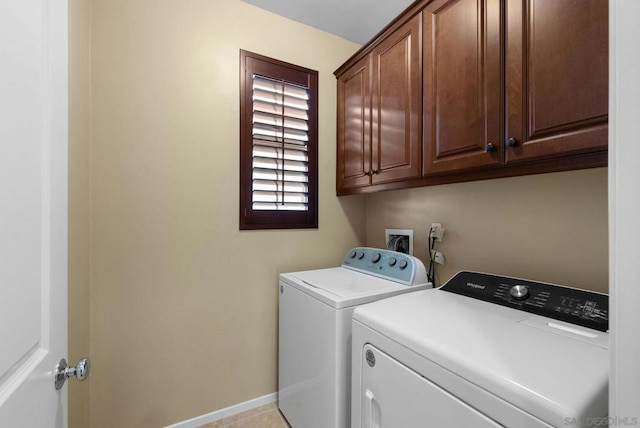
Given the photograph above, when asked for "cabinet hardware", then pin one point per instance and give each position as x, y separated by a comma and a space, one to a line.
512, 142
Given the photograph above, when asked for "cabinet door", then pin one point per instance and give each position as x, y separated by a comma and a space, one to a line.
462, 85
353, 160
557, 74
397, 105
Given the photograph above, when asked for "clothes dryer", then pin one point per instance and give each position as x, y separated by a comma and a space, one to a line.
482, 351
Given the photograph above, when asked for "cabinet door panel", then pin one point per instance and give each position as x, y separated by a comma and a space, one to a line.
557, 78
397, 108
462, 85
354, 127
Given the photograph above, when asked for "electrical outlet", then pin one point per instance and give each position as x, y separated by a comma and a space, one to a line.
437, 231
437, 257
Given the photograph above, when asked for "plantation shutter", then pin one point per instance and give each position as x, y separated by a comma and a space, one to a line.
278, 144
280, 135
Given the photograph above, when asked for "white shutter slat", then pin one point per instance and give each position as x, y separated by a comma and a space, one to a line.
279, 99
266, 107
277, 132
276, 120
280, 186
294, 198
271, 174
277, 153
275, 86
276, 206
279, 164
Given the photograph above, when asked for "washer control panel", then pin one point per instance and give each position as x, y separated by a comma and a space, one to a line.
387, 264
580, 307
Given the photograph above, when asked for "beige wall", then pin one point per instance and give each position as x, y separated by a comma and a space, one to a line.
79, 203
183, 304
550, 227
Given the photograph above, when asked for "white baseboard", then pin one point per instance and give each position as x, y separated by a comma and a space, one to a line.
198, 421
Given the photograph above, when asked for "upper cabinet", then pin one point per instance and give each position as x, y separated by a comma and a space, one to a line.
396, 105
459, 90
462, 85
556, 78
354, 126
379, 112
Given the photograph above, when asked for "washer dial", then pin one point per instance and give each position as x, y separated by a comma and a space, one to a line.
519, 292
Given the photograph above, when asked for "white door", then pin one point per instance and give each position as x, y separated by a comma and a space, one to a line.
33, 211
624, 205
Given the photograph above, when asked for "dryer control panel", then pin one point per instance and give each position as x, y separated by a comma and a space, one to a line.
386, 264
585, 308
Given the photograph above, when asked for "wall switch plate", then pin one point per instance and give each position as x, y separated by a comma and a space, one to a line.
436, 231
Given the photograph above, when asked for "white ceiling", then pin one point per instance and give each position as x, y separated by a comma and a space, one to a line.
355, 20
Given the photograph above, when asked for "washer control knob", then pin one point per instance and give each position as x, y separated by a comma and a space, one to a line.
519, 292
403, 264
375, 258
352, 254
392, 261
360, 255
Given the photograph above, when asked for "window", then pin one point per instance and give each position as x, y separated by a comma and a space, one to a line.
278, 144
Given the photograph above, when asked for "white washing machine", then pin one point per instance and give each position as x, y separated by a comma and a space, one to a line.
314, 359
482, 351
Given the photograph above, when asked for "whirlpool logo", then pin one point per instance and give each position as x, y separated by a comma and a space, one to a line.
474, 285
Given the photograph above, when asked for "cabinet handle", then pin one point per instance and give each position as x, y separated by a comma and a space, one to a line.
367, 174
490, 147
512, 142
375, 171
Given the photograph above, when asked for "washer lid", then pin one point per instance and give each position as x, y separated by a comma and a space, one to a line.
548, 368
340, 287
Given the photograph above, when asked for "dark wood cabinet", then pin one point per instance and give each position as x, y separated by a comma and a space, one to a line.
503, 88
557, 78
396, 134
462, 85
353, 161
379, 112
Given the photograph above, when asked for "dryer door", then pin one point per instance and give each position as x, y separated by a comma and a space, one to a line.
393, 395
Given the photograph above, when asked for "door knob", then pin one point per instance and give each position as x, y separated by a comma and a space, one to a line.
63, 371
512, 142
489, 148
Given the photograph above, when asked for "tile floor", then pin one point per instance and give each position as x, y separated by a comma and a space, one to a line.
267, 416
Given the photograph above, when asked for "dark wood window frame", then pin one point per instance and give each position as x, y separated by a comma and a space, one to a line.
251, 65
